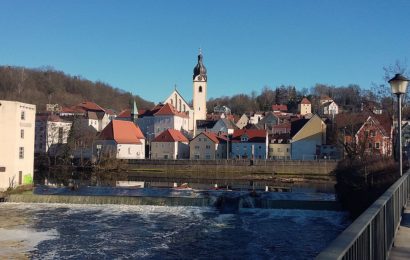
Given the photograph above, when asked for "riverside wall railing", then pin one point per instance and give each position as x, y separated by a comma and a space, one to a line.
371, 235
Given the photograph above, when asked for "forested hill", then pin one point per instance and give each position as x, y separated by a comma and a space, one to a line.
46, 85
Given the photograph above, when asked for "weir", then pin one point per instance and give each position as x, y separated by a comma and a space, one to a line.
227, 203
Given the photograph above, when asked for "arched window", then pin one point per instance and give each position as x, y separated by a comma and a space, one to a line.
200, 89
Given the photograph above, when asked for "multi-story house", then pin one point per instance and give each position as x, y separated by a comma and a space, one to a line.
120, 139
208, 146
250, 144
17, 124
51, 134
279, 147
88, 113
367, 133
160, 118
242, 121
170, 144
306, 136
305, 107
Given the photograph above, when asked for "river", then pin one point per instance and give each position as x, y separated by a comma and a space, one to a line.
62, 231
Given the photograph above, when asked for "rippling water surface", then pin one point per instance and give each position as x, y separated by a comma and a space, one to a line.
59, 231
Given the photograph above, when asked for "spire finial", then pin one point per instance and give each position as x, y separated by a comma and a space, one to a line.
200, 51
175, 86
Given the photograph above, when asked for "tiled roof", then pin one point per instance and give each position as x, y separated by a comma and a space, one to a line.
169, 110
279, 107
297, 125
49, 117
305, 101
88, 105
215, 138
123, 132
171, 135
254, 135
205, 124
351, 123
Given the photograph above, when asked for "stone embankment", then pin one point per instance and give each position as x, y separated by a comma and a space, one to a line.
234, 169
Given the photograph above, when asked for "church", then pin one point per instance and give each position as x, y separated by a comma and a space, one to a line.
198, 110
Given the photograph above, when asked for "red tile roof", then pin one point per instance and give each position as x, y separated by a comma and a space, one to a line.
214, 137
254, 135
168, 109
305, 101
171, 135
88, 105
122, 132
279, 108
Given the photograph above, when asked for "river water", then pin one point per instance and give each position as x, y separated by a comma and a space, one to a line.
62, 231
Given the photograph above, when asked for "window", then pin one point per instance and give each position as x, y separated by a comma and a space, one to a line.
287, 149
260, 147
377, 145
208, 147
370, 145
196, 147
129, 150
22, 133
208, 156
165, 156
279, 150
200, 89
23, 115
372, 133
244, 138
21, 152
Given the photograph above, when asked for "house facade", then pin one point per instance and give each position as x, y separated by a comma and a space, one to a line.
51, 134
17, 125
306, 136
330, 108
279, 147
249, 144
305, 107
208, 146
120, 139
170, 144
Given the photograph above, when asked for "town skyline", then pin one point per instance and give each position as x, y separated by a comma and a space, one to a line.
139, 46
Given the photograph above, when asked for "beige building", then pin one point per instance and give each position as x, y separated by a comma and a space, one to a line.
170, 144
208, 146
279, 147
305, 107
17, 123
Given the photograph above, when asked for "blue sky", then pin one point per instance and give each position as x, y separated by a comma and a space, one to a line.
148, 46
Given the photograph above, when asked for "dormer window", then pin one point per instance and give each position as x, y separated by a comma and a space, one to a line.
244, 138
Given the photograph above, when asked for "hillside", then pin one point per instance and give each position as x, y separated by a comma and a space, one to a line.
46, 85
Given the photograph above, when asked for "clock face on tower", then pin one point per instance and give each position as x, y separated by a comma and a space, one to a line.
199, 77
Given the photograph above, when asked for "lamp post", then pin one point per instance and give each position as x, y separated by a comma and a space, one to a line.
398, 87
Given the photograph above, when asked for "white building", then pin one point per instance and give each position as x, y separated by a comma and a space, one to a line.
170, 144
179, 103
199, 90
51, 133
122, 140
17, 123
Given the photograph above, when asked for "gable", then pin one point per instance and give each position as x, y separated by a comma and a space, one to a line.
312, 127
176, 100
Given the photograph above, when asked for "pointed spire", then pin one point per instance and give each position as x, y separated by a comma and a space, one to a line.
134, 109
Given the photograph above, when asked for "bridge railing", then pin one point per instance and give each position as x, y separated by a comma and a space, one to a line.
371, 235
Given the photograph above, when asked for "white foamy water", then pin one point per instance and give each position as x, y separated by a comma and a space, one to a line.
80, 231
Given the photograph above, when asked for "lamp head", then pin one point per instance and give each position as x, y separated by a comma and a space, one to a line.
398, 84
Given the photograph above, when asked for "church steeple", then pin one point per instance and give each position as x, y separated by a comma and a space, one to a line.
199, 90
133, 111
200, 67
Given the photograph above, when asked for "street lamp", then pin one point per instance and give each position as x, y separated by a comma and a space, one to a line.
398, 87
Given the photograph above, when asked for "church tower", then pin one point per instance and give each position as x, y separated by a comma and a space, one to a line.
199, 94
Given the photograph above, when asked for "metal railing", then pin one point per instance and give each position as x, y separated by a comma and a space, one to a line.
371, 235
